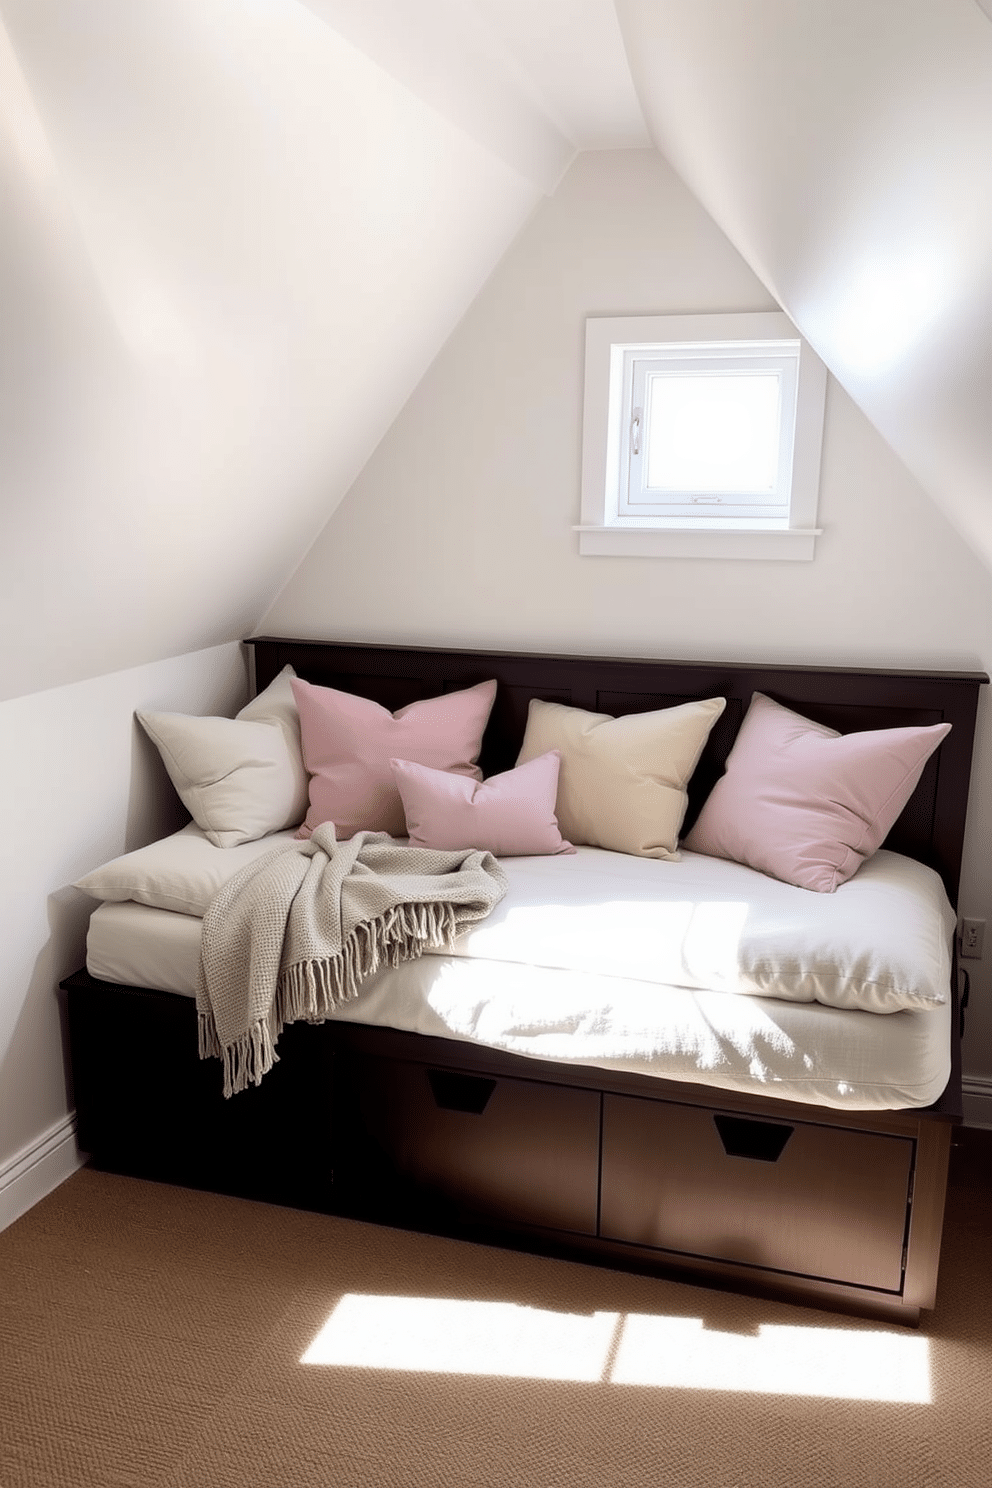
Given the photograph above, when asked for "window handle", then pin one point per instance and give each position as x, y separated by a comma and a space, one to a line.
635, 432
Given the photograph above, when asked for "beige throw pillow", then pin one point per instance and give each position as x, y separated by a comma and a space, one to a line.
622, 783
239, 778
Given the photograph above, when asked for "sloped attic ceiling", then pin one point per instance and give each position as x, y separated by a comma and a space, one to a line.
232, 243
844, 148
236, 232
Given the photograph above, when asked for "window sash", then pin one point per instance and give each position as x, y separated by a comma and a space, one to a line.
644, 368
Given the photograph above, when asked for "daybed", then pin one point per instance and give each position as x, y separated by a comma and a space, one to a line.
773, 1145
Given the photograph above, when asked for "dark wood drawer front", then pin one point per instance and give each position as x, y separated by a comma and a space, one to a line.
813, 1200
515, 1150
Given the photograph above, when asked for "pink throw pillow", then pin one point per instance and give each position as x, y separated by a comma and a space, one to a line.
348, 742
805, 804
511, 815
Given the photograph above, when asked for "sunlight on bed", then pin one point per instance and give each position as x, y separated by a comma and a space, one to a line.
681, 942
448, 1336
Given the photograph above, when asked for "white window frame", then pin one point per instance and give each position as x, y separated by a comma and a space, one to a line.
617, 522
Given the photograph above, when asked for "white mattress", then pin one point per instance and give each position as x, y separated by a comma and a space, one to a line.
581, 1011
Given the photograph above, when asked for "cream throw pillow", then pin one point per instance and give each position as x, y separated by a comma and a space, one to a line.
622, 783
239, 778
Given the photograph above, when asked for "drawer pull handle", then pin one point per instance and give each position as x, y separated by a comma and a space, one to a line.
469, 1093
763, 1140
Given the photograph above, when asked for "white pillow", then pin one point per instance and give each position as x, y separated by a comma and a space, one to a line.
239, 778
182, 872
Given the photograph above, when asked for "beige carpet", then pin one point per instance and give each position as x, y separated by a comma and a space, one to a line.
153, 1336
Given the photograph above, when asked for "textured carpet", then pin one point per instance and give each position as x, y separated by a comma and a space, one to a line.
153, 1336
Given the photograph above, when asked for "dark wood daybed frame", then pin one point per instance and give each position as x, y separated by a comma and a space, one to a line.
842, 1209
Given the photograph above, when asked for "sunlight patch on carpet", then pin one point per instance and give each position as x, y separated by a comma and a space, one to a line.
444, 1335
833, 1363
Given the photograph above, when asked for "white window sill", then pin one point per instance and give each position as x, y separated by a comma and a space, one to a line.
790, 543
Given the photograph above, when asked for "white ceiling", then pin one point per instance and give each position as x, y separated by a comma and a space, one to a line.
532, 81
238, 231
232, 244
571, 53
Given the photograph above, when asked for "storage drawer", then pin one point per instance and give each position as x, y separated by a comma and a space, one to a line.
813, 1200
512, 1150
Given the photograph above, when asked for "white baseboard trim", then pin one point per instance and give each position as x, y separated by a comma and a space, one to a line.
38, 1168
977, 1102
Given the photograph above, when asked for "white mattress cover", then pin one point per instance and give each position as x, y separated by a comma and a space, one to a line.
802, 1051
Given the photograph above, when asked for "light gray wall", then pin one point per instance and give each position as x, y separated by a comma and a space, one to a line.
458, 529
79, 784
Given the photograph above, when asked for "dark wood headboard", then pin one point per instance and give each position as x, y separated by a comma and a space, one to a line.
931, 828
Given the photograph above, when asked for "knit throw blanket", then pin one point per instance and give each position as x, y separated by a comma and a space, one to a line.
297, 931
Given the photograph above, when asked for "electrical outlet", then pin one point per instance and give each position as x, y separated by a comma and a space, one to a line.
972, 936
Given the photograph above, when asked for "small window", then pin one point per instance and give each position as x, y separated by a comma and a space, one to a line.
701, 437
